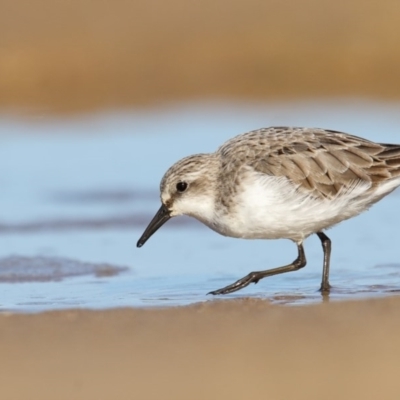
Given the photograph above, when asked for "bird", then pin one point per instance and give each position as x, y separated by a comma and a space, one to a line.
279, 183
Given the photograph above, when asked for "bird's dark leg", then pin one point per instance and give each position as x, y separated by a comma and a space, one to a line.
326, 245
254, 277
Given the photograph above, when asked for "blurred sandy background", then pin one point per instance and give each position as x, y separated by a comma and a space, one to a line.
82, 55
78, 55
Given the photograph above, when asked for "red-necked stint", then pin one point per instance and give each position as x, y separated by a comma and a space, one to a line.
279, 183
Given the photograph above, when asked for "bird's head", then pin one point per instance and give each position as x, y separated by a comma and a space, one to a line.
187, 188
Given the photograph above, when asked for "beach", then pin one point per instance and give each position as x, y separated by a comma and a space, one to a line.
97, 100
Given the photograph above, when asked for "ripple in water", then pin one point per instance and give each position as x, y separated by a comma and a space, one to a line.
17, 269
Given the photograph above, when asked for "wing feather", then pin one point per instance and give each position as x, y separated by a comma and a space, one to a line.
319, 162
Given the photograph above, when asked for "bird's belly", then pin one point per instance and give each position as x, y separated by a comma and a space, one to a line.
262, 223
277, 210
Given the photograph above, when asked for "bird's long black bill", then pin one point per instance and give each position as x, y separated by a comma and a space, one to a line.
159, 220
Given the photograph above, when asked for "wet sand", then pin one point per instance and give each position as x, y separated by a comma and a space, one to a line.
60, 56
240, 349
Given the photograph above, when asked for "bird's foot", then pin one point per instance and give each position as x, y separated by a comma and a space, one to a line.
252, 277
325, 289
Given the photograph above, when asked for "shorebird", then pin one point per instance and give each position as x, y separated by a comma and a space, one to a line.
279, 183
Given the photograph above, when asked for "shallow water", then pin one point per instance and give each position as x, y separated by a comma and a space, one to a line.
77, 194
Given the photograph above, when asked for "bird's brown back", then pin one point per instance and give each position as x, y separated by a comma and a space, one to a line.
321, 162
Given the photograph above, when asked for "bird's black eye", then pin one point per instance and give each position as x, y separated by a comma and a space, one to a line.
181, 186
